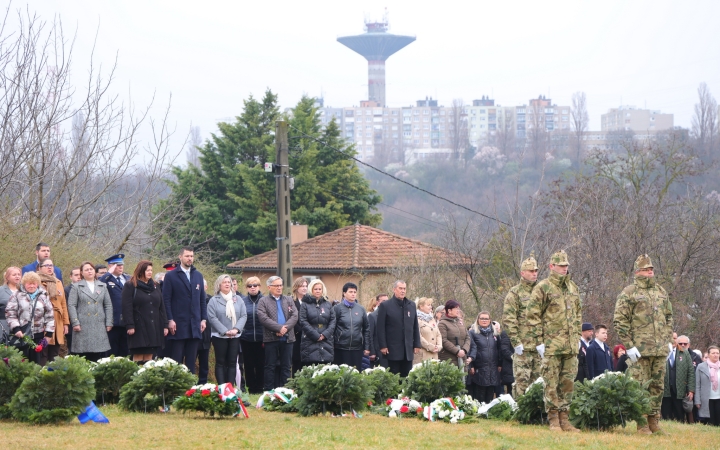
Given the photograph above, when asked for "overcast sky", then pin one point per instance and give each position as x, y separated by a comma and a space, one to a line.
210, 55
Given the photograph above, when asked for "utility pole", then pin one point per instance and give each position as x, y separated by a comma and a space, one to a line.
282, 200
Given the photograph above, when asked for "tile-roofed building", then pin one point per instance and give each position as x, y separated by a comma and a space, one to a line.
353, 253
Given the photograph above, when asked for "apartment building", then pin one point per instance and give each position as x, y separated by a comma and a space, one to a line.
630, 118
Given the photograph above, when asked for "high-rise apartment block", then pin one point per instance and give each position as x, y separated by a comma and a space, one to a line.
630, 118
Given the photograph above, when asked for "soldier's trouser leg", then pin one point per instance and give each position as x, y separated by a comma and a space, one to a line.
651, 368
526, 369
559, 373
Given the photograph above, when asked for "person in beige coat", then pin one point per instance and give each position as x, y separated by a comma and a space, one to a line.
455, 338
430, 337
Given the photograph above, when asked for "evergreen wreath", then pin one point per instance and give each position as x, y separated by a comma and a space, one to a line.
13, 370
56, 393
609, 400
210, 399
111, 374
383, 384
155, 385
433, 379
331, 388
531, 405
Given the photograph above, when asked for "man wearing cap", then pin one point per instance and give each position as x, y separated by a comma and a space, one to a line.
553, 317
643, 322
585, 339
526, 362
115, 279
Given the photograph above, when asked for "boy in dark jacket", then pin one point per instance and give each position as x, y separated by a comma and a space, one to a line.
599, 355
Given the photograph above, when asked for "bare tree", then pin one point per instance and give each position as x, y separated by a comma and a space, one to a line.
73, 165
504, 137
458, 133
537, 134
579, 115
705, 121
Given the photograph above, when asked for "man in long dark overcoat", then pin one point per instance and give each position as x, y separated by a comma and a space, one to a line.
184, 296
398, 331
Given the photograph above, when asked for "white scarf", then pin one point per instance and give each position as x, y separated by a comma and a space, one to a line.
229, 307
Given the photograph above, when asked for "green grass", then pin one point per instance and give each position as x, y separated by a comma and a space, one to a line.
278, 430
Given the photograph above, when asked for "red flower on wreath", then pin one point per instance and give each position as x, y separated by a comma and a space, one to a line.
388, 401
205, 392
370, 403
419, 410
404, 409
189, 392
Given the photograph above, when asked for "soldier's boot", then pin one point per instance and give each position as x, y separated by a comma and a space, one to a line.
654, 423
645, 429
565, 422
554, 420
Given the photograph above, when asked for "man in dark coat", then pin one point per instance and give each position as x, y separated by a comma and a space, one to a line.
599, 355
184, 296
42, 251
115, 280
398, 331
587, 334
376, 358
278, 316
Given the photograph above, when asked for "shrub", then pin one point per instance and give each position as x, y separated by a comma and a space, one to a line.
13, 370
383, 384
434, 379
279, 399
609, 400
331, 388
211, 399
156, 385
501, 408
56, 393
531, 405
111, 374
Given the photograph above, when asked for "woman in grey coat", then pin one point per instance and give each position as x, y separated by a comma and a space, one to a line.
227, 316
91, 315
12, 285
707, 387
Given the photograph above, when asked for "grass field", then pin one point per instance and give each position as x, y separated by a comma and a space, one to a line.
277, 430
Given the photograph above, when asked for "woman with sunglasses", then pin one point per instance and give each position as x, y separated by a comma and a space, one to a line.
251, 339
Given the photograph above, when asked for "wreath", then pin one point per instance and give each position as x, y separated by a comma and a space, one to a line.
155, 385
111, 374
212, 399
383, 383
13, 370
433, 379
531, 405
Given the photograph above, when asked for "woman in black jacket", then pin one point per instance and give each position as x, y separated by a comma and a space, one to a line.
317, 320
299, 289
506, 366
485, 358
143, 313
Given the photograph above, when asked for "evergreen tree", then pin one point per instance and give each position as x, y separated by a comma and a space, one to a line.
227, 206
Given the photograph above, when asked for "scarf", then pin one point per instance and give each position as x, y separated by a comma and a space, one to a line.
33, 295
485, 331
347, 303
714, 367
146, 286
424, 316
50, 284
229, 307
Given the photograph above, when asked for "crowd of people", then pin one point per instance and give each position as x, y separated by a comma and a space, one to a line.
268, 337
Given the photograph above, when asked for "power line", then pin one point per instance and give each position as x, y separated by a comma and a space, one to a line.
398, 209
398, 179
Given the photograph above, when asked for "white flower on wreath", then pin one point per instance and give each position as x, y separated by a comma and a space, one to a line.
414, 405
392, 414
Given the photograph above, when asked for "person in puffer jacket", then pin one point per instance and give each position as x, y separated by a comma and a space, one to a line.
352, 329
317, 320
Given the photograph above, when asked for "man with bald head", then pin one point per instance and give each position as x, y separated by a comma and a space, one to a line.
679, 379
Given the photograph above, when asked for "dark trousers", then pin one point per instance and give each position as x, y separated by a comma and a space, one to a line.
401, 367
278, 354
39, 358
226, 353
501, 389
203, 356
672, 409
253, 354
352, 358
714, 412
53, 352
184, 351
296, 363
483, 394
118, 341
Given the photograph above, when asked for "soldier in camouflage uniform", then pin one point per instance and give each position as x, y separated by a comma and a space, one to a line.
643, 322
526, 362
553, 318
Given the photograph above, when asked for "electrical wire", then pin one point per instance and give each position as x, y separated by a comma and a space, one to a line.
301, 134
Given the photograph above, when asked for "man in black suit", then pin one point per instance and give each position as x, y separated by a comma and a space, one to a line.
376, 358
587, 334
398, 331
599, 355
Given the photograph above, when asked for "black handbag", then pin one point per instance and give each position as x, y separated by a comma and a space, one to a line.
19, 343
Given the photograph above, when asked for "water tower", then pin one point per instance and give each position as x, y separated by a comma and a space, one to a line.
376, 45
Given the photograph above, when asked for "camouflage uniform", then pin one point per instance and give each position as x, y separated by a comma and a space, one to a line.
643, 319
526, 367
554, 318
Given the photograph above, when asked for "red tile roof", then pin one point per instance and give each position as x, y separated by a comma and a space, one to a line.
353, 248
